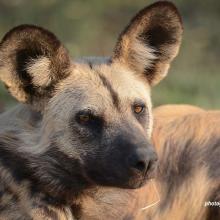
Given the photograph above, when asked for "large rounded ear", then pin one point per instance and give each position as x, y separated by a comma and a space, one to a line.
151, 41
32, 61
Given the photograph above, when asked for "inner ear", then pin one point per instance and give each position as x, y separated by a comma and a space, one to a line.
24, 56
158, 36
23, 60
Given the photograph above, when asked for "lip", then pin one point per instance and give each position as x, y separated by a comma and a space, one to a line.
150, 174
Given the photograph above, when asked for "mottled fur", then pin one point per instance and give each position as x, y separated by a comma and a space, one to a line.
52, 158
188, 144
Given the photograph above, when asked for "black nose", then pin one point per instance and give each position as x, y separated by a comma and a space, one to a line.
142, 160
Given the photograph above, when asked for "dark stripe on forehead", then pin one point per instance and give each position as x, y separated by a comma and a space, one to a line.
112, 92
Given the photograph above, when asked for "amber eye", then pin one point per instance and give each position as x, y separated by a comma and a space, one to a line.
138, 109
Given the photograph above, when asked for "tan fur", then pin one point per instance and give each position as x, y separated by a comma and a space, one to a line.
176, 124
189, 200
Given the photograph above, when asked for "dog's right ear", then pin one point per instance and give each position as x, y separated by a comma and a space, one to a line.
32, 61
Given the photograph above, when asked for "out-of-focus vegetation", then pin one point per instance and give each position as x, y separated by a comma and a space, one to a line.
91, 28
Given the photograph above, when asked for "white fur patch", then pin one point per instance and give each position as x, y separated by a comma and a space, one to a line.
39, 69
143, 54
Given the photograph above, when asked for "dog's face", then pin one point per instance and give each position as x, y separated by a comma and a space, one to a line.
103, 115
97, 112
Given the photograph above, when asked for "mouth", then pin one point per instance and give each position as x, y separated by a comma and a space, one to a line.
138, 180
121, 178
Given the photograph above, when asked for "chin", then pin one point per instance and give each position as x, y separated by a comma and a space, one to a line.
135, 184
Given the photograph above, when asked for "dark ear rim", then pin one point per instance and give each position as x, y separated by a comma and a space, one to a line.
136, 19
26, 43
28, 27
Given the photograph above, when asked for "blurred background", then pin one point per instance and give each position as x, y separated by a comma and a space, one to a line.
91, 27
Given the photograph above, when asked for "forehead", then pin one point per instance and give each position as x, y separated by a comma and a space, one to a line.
106, 84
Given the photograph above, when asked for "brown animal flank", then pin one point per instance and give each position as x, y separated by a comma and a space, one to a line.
188, 143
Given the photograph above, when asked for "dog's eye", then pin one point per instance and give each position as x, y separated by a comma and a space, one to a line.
89, 119
83, 118
138, 108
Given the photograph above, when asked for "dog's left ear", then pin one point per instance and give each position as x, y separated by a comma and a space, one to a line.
151, 41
